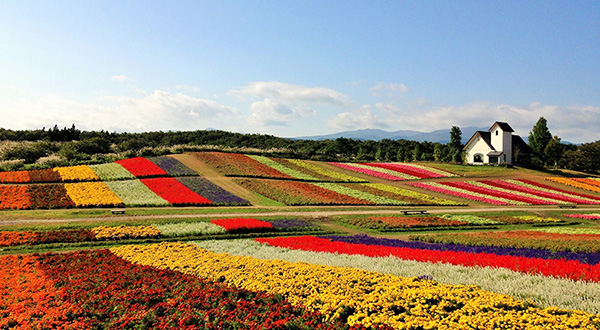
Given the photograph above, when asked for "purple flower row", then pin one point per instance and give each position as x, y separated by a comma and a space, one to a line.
209, 190
584, 257
172, 166
290, 223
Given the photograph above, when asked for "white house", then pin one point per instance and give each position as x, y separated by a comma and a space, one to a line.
494, 146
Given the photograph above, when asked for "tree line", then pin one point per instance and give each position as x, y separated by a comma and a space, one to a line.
40, 148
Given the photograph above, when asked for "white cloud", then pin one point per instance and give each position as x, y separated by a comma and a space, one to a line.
388, 90
158, 110
572, 123
360, 119
121, 78
278, 103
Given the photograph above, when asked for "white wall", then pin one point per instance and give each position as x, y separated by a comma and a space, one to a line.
477, 147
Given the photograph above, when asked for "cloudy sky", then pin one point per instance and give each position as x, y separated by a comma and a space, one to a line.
298, 68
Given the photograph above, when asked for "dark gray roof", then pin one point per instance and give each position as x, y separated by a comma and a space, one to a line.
504, 126
486, 136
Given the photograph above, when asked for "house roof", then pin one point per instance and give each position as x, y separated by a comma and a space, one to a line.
485, 136
518, 142
503, 126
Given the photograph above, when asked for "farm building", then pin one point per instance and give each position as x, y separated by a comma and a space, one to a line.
497, 145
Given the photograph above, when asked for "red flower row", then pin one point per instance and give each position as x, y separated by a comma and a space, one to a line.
407, 169
11, 238
174, 191
141, 167
242, 224
98, 290
571, 269
496, 193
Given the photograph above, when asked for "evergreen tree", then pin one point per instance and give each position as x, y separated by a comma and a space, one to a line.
554, 151
539, 138
455, 144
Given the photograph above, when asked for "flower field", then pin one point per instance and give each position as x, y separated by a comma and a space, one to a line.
529, 239
327, 193
125, 169
99, 290
594, 216
397, 223
396, 171
507, 192
591, 184
239, 165
357, 296
145, 192
175, 229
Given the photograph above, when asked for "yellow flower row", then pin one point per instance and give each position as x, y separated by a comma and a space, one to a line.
77, 173
92, 194
369, 297
412, 194
573, 183
123, 232
537, 219
320, 170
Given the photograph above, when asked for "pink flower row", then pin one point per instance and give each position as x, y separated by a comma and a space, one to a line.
458, 193
407, 169
584, 216
369, 172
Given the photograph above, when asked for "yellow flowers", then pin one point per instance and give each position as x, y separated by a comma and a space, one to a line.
364, 297
88, 194
77, 173
123, 232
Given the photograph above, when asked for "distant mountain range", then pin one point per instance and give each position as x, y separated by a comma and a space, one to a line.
441, 136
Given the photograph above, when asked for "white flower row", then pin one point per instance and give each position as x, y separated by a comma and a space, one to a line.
544, 291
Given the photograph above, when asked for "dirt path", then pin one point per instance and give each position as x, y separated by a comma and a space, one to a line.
317, 214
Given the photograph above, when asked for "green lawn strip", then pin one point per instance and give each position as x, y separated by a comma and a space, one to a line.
42, 248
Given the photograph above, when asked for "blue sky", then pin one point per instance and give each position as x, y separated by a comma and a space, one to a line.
297, 68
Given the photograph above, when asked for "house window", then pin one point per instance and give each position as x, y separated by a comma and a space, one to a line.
478, 158
496, 132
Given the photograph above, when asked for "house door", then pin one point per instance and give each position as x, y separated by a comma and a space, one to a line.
493, 159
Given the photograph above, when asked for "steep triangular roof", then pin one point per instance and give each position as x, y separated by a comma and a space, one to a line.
503, 126
485, 136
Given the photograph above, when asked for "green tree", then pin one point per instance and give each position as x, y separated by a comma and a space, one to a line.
455, 145
539, 137
554, 151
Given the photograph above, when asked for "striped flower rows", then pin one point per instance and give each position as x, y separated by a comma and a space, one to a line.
357, 296
326, 193
590, 184
372, 247
125, 169
144, 192
593, 216
396, 171
507, 192
177, 229
98, 290
542, 290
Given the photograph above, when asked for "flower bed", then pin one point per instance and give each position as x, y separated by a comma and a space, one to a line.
92, 194
141, 167
44, 196
421, 172
374, 171
111, 171
520, 186
519, 239
278, 166
359, 296
239, 165
298, 193
45, 175
124, 232
395, 223
235, 225
135, 193
583, 216
462, 193
544, 291
571, 269
76, 173
408, 195
174, 192
315, 169
13, 238
209, 190
172, 166
98, 290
